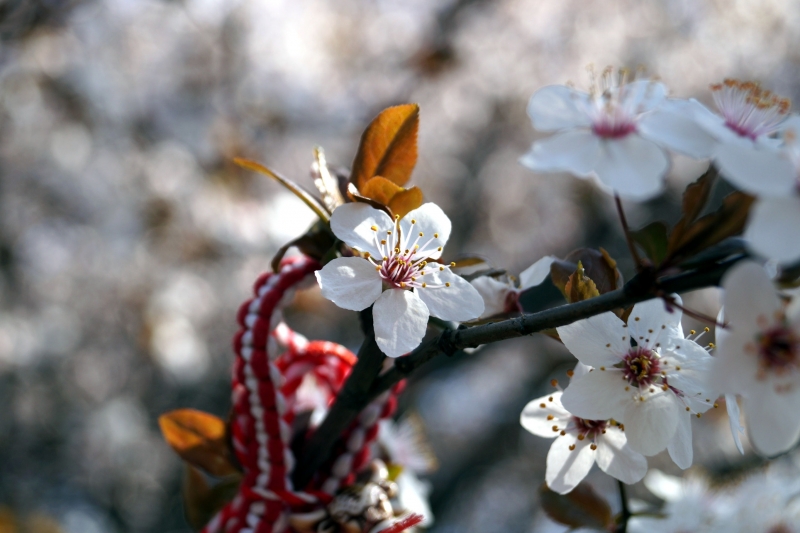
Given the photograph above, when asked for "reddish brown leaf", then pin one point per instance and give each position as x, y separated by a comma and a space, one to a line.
580, 287
380, 189
406, 201
314, 204
201, 500
728, 221
199, 438
388, 146
597, 264
582, 507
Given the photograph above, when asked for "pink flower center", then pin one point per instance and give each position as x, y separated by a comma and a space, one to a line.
612, 122
778, 349
641, 367
749, 110
589, 428
403, 263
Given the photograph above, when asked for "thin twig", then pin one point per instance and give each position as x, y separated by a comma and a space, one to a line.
669, 300
626, 229
349, 402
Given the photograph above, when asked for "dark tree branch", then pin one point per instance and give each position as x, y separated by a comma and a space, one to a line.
349, 402
367, 384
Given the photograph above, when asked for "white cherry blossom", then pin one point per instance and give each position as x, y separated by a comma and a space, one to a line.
613, 133
579, 444
501, 297
758, 358
397, 273
645, 375
773, 176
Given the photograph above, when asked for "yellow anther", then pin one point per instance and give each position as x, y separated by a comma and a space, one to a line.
402, 284
416, 246
413, 278
383, 241
563, 432
452, 264
554, 383
593, 446
447, 284
389, 232
542, 405
385, 258
550, 399
423, 264
716, 405
366, 255
550, 417
570, 373
555, 428
581, 436
435, 235
687, 409
397, 250
413, 221
424, 285
692, 332
439, 249
441, 269
421, 234
374, 228
378, 268
706, 329
603, 368
571, 447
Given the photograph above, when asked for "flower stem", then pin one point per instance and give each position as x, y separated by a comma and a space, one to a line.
626, 229
625, 513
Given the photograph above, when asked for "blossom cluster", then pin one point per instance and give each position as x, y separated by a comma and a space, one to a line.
621, 132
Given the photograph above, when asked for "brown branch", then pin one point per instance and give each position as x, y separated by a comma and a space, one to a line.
354, 397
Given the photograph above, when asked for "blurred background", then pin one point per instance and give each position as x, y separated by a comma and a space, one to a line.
128, 239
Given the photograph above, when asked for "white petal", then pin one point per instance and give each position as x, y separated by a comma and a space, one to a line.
643, 95
680, 447
695, 365
534, 416
749, 297
430, 220
589, 339
352, 224
650, 323
558, 107
566, 468
758, 171
350, 282
599, 395
616, 458
460, 301
772, 419
573, 151
772, 229
632, 166
494, 294
651, 423
737, 428
734, 370
400, 320
673, 126
536, 273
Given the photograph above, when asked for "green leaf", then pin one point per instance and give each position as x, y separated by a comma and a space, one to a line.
654, 241
582, 507
315, 205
